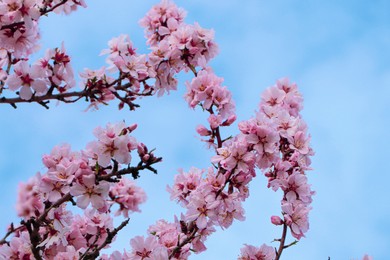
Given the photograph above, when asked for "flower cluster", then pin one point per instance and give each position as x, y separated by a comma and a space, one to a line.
19, 36
175, 45
92, 179
19, 19
278, 136
52, 70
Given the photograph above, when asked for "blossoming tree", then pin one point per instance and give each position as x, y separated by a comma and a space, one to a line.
97, 179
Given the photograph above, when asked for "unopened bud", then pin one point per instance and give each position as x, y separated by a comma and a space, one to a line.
132, 127
276, 220
202, 130
145, 158
231, 119
141, 148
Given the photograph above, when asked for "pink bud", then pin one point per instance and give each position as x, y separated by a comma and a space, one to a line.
230, 120
141, 148
202, 130
194, 103
132, 127
146, 157
276, 220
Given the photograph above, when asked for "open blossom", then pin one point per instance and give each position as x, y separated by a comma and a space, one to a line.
202, 207
68, 6
235, 155
18, 248
87, 191
161, 20
253, 253
148, 248
296, 217
184, 184
113, 142
29, 79
22, 41
128, 196
29, 202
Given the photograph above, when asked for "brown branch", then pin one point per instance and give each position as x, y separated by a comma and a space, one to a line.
282, 240
76, 95
10, 231
134, 171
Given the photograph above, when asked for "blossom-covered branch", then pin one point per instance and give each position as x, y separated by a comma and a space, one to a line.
93, 180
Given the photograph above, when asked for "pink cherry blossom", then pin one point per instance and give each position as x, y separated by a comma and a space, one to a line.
113, 142
296, 217
264, 252
147, 248
29, 79
128, 196
87, 191
18, 248
184, 184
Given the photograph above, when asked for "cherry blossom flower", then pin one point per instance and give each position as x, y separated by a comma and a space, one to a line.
128, 196
28, 79
147, 248
87, 191
253, 253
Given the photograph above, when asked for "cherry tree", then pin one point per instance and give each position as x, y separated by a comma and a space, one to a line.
100, 180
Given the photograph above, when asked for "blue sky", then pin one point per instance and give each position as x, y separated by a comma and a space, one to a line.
336, 51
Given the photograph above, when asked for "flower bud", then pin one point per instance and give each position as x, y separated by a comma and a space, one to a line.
132, 127
230, 120
276, 220
202, 130
145, 158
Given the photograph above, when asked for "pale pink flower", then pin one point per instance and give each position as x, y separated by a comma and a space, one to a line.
285, 85
163, 19
296, 217
296, 187
58, 153
202, 207
30, 198
300, 142
230, 208
184, 184
128, 196
265, 140
28, 79
265, 252
87, 191
273, 96
147, 248
167, 233
69, 6
70, 254
22, 41
214, 121
113, 143
202, 130
18, 248
75, 236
